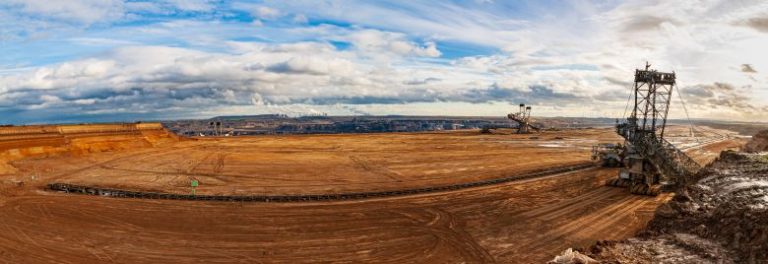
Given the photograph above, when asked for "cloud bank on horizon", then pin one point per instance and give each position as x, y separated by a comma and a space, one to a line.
125, 60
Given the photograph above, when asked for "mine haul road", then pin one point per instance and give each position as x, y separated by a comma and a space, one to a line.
526, 221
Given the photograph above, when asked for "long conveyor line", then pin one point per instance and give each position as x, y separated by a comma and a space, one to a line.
110, 192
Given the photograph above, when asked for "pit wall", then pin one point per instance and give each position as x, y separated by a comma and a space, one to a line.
19, 142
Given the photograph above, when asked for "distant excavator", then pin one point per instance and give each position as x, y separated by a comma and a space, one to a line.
523, 119
649, 160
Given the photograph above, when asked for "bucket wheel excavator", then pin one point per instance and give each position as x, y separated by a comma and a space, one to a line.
650, 161
523, 119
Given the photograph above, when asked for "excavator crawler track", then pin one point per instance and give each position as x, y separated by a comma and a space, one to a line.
644, 189
618, 183
635, 188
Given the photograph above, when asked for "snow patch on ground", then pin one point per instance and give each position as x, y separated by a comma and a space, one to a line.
557, 144
748, 184
761, 203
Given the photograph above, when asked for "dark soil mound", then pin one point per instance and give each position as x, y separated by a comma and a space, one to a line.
759, 143
720, 218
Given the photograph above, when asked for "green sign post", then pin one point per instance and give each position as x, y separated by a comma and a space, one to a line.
195, 183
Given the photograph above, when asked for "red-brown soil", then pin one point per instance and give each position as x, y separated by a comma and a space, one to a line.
300, 164
526, 221
522, 222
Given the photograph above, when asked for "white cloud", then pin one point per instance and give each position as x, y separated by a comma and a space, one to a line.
576, 60
88, 41
265, 12
300, 18
143, 7
192, 5
420, 19
376, 41
142, 78
81, 11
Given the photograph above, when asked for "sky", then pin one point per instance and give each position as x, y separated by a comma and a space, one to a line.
131, 60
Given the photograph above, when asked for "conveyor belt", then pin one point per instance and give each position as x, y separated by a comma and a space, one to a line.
91, 190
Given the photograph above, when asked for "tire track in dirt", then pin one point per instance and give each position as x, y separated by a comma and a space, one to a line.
420, 229
375, 169
590, 225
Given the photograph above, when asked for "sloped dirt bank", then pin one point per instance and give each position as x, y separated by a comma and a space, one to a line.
758, 143
41, 141
720, 218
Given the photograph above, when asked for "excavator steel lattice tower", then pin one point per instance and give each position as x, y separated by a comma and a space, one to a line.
648, 157
652, 94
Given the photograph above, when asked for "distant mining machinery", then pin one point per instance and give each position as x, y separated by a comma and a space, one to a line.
216, 126
607, 154
523, 119
649, 160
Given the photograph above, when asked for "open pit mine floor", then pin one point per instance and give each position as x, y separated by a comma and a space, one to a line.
523, 221
321, 164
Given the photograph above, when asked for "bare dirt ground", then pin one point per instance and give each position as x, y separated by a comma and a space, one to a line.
706, 143
524, 222
518, 222
300, 164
